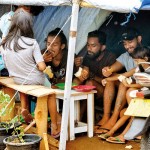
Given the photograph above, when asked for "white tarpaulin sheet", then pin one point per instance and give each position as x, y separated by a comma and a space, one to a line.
112, 5
117, 5
36, 2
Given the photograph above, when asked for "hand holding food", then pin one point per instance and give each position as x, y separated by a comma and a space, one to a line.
107, 71
78, 73
49, 72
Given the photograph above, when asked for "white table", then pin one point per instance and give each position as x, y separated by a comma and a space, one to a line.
75, 112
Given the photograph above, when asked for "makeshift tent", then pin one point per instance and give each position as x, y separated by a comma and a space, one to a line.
106, 6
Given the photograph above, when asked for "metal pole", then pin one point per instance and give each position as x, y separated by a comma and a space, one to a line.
69, 73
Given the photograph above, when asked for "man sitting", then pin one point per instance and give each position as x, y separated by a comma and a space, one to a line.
95, 60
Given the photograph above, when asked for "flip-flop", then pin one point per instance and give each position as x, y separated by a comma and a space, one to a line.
104, 130
115, 140
104, 136
136, 140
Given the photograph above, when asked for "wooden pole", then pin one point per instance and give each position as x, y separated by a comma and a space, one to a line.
69, 73
45, 141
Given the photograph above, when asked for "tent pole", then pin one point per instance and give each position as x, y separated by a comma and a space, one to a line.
69, 73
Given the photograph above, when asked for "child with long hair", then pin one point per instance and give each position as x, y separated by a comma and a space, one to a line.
24, 61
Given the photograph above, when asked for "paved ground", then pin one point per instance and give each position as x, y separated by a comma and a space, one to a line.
85, 143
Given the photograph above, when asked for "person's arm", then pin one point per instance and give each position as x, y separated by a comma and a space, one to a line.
129, 73
41, 66
38, 57
134, 85
126, 75
107, 71
115, 76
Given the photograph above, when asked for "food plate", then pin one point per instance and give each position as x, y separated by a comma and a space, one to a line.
62, 85
83, 88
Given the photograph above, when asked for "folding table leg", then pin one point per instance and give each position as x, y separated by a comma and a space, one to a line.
90, 114
72, 114
41, 114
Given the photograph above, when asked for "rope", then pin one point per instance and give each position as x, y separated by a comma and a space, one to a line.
128, 17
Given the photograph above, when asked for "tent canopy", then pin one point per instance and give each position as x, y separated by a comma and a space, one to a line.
111, 5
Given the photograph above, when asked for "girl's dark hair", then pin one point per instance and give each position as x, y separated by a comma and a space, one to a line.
141, 52
21, 25
61, 35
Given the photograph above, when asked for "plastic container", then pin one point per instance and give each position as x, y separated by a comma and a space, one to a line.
32, 142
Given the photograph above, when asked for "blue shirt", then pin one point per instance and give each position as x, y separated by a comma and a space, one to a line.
127, 61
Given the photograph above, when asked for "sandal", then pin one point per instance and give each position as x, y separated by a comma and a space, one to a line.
26, 116
115, 140
137, 140
104, 136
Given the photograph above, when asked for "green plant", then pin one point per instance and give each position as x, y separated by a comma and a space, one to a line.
4, 101
17, 130
4, 98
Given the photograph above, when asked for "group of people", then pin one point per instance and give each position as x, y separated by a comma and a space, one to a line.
25, 63
136, 54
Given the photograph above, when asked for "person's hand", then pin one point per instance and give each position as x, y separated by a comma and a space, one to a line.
84, 74
106, 71
78, 61
47, 57
127, 82
104, 82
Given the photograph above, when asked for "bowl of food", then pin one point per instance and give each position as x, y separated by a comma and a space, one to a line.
62, 85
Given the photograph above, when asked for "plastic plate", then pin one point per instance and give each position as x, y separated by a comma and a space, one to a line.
62, 85
83, 88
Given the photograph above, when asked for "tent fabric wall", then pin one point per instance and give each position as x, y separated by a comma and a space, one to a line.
145, 4
89, 19
53, 17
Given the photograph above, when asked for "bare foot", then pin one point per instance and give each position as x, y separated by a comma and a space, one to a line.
101, 130
55, 130
105, 128
103, 121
